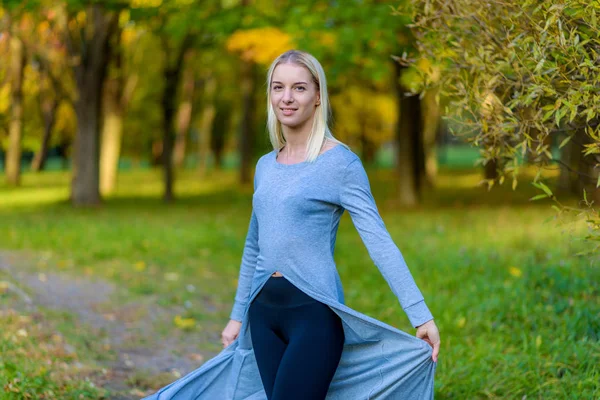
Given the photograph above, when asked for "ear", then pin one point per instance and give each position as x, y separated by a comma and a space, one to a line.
318, 103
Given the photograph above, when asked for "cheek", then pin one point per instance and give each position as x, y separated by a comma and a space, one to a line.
275, 100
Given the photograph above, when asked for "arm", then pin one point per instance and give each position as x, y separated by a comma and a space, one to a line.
247, 268
248, 265
356, 197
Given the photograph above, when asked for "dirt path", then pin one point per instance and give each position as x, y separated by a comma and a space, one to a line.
130, 328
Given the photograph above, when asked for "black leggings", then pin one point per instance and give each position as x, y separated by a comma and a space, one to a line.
297, 341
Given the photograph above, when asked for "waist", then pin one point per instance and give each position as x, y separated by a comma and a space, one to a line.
280, 292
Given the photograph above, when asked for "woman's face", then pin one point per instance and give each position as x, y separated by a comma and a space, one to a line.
294, 95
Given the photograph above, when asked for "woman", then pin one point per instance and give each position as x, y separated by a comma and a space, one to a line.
290, 336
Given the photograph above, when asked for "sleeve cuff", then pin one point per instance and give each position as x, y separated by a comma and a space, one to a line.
237, 313
418, 313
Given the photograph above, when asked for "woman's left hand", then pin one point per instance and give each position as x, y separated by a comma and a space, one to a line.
429, 333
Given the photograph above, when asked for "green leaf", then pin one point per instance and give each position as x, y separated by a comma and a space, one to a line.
538, 197
541, 185
564, 142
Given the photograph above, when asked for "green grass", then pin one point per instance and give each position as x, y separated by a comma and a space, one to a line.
519, 314
37, 363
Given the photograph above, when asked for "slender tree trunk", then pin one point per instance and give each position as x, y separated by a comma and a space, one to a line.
206, 123
220, 128
570, 155
247, 121
490, 170
586, 165
112, 132
431, 129
407, 137
184, 114
168, 108
13, 154
171, 76
90, 74
49, 107
118, 91
365, 144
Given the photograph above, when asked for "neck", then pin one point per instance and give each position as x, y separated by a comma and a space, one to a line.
296, 137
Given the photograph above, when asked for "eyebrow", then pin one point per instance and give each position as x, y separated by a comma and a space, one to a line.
297, 83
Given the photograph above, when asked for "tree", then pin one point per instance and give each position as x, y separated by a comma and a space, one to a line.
255, 46
358, 49
16, 71
87, 34
118, 91
54, 86
517, 73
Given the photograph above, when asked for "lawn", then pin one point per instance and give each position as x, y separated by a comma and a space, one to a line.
518, 312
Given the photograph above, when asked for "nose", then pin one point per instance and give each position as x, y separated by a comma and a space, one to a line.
287, 96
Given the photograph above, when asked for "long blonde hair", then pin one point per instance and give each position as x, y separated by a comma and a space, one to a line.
320, 128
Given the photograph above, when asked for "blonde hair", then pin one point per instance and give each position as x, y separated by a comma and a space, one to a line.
320, 129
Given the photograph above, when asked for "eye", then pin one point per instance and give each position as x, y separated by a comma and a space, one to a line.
301, 88
277, 87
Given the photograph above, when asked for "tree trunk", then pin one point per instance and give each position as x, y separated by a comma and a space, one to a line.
90, 74
85, 184
168, 107
586, 166
368, 153
171, 76
112, 132
407, 137
431, 130
570, 156
118, 91
206, 123
15, 132
490, 170
49, 107
246, 138
184, 115
219, 130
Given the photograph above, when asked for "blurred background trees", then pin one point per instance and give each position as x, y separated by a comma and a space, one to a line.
178, 84
181, 83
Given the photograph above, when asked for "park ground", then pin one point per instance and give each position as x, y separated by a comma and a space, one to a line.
116, 301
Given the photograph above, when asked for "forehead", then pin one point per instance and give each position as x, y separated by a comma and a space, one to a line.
291, 73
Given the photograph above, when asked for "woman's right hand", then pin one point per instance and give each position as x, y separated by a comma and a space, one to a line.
231, 332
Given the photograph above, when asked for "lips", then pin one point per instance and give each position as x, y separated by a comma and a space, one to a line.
288, 111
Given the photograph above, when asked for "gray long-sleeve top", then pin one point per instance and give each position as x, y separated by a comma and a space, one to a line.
293, 226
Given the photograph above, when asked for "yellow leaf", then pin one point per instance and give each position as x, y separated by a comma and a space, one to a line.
260, 45
184, 323
538, 341
461, 322
140, 266
516, 272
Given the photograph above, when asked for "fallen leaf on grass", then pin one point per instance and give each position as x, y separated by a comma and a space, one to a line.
184, 323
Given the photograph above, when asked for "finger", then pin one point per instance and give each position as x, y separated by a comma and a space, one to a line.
436, 350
